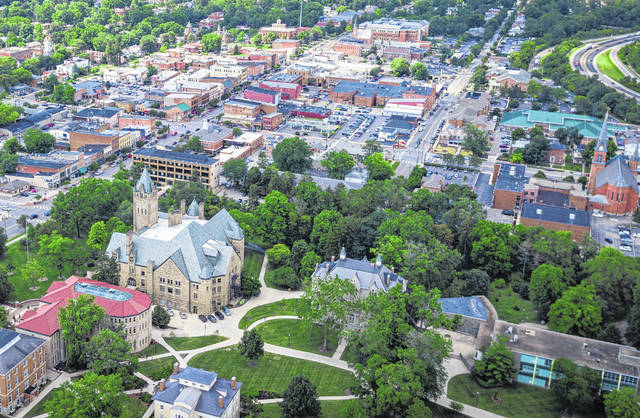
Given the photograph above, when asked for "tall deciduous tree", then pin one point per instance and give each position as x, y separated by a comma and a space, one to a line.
251, 345
78, 321
36, 141
400, 67
337, 163
292, 154
475, 140
98, 236
300, 399
576, 387
211, 42
235, 170
497, 367
328, 303
107, 270
91, 396
547, 285
108, 352
623, 403
379, 168
6, 288
160, 317
577, 312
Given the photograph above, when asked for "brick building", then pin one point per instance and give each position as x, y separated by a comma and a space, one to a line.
350, 46
23, 369
397, 30
86, 137
148, 123
289, 85
508, 184
271, 121
578, 222
258, 94
241, 109
556, 153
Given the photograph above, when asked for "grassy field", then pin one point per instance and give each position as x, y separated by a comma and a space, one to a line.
521, 401
152, 350
191, 343
157, 369
252, 263
511, 307
133, 408
16, 257
273, 372
291, 333
283, 307
608, 67
331, 409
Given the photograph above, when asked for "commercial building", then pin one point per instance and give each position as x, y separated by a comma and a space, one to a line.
508, 184
350, 46
148, 123
179, 259
124, 306
550, 122
241, 109
280, 29
289, 85
578, 222
398, 30
43, 171
191, 392
168, 167
212, 137
105, 116
262, 95
23, 369
13, 188
376, 94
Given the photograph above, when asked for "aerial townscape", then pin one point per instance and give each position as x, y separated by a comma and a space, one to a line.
412, 208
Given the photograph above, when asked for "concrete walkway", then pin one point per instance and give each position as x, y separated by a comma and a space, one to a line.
340, 349
270, 318
56, 383
321, 398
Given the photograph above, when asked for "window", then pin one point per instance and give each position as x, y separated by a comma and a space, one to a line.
195, 296
25, 372
169, 289
195, 286
142, 272
162, 288
170, 281
219, 280
26, 384
177, 283
8, 386
10, 398
142, 282
161, 279
177, 292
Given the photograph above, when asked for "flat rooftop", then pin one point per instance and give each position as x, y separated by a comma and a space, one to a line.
511, 177
556, 214
175, 156
163, 232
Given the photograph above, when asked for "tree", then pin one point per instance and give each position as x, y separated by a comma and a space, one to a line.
576, 387
535, 151
3, 242
273, 216
109, 353
107, 270
577, 312
419, 71
98, 237
278, 255
64, 93
623, 403
476, 282
36, 141
286, 278
211, 42
50, 83
32, 271
90, 396
400, 67
328, 302
250, 286
78, 321
292, 154
300, 399
497, 367
547, 285
518, 134
636, 216
378, 167
235, 170
160, 317
337, 163
6, 288
475, 140
148, 44
371, 146
308, 264
251, 345
56, 250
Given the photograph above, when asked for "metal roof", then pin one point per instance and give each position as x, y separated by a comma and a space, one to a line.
176, 156
555, 214
14, 348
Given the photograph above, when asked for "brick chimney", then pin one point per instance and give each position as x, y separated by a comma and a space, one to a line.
220, 401
175, 217
162, 386
176, 368
183, 207
201, 210
234, 383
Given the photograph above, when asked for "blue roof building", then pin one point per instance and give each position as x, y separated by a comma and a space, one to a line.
191, 392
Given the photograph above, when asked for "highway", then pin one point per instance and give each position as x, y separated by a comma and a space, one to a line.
584, 60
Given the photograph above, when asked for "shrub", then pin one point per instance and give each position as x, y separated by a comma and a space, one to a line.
285, 277
499, 284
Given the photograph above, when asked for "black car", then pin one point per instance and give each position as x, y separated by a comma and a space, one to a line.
219, 315
212, 318
202, 318
508, 212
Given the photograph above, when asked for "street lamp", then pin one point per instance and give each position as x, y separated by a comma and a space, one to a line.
289, 344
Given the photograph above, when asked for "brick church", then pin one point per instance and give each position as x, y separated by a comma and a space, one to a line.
613, 186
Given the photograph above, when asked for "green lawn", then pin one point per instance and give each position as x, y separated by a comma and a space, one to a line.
157, 369
273, 372
39, 408
133, 408
511, 307
191, 343
252, 263
291, 333
331, 409
16, 257
152, 350
282, 307
521, 401
607, 66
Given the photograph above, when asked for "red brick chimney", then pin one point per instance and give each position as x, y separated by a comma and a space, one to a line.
220, 401
176, 368
234, 383
162, 386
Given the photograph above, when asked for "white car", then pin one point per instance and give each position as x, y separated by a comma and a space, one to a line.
636, 235
624, 247
598, 214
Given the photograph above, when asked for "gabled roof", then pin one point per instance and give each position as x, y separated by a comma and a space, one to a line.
368, 274
618, 174
14, 348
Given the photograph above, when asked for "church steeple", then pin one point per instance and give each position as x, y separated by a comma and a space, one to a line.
600, 151
145, 202
635, 159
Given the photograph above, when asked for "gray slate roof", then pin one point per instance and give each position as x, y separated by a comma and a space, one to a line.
144, 182
14, 347
202, 401
367, 273
556, 214
199, 251
617, 173
193, 208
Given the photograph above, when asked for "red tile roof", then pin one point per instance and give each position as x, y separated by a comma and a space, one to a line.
45, 319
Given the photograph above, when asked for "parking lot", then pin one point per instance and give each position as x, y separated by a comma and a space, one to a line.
606, 231
455, 176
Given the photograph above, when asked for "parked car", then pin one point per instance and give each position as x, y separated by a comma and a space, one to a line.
508, 212
34, 215
219, 315
625, 248
212, 318
226, 311
608, 240
183, 315
170, 312
202, 318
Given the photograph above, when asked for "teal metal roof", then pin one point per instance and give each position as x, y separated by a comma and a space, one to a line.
588, 126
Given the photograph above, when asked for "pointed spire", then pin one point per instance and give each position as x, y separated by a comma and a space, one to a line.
145, 181
636, 155
601, 145
193, 208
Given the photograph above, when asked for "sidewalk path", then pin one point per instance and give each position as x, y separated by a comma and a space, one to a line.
56, 383
341, 347
320, 398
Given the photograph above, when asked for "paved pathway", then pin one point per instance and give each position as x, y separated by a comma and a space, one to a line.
56, 383
340, 349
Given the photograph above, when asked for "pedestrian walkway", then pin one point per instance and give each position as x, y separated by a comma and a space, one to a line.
63, 377
341, 347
